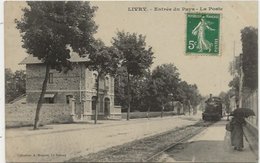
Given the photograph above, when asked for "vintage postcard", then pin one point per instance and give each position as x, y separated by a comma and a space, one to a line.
131, 81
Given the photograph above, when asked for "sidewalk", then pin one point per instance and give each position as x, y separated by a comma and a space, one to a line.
64, 141
214, 146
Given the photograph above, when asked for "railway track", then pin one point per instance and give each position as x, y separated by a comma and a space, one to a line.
171, 146
146, 149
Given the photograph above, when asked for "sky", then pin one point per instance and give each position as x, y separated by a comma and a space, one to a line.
165, 32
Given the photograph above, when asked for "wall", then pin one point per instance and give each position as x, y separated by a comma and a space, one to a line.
69, 82
250, 100
105, 83
23, 115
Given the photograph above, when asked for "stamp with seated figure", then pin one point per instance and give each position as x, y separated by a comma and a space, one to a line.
202, 34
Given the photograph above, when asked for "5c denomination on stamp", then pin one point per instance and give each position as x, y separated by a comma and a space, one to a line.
202, 34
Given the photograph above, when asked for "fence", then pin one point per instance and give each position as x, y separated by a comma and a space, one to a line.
135, 115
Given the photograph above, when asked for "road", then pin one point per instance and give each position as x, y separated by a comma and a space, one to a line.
211, 145
58, 143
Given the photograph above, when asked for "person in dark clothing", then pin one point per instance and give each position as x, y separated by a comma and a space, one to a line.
237, 132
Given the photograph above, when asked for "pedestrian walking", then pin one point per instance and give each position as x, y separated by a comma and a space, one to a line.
237, 124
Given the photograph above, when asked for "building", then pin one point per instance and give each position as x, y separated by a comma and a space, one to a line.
175, 106
73, 91
178, 107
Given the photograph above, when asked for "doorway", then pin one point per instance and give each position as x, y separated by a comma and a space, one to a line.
107, 107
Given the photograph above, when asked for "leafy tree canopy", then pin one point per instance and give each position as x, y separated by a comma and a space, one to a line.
14, 84
249, 38
166, 79
48, 28
104, 60
234, 85
136, 58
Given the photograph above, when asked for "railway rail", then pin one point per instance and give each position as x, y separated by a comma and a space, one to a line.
184, 139
146, 149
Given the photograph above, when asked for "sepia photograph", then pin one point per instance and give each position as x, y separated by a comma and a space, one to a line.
131, 81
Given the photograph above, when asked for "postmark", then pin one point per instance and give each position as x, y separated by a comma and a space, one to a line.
202, 34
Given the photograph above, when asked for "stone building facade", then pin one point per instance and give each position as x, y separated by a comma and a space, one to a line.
75, 89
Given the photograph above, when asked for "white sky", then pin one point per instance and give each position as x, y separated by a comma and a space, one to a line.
165, 32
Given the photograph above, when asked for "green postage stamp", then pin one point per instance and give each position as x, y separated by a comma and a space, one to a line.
202, 34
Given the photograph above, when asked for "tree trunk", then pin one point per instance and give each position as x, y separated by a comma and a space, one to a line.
172, 107
148, 112
97, 103
162, 111
189, 106
39, 104
128, 95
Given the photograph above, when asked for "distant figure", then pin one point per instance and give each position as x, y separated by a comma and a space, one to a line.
199, 31
237, 132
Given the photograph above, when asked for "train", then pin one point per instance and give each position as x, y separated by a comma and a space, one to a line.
213, 109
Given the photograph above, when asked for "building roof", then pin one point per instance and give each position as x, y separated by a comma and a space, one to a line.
74, 57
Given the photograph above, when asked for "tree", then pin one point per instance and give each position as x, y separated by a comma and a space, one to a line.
136, 58
9, 85
234, 85
225, 96
121, 88
165, 82
20, 78
193, 96
104, 60
150, 93
49, 28
139, 93
140, 98
14, 84
249, 38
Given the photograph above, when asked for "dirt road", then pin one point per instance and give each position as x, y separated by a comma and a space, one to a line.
62, 142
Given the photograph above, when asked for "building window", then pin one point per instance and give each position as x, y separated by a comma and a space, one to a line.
50, 78
107, 83
93, 104
94, 80
49, 98
68, 97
